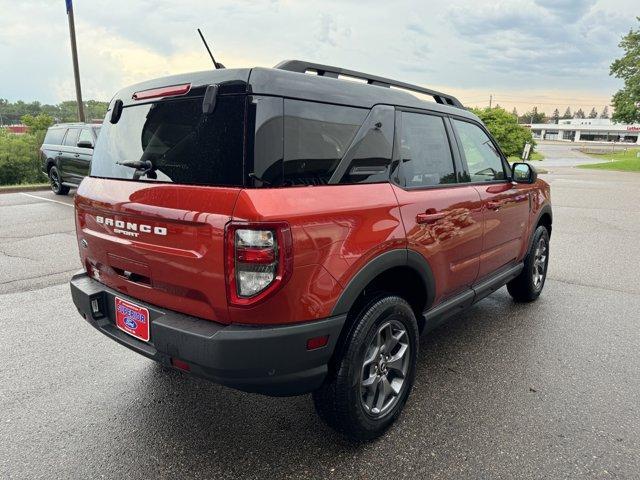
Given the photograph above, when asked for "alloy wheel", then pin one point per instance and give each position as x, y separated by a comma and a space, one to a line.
55, 181
385, 368
540, 263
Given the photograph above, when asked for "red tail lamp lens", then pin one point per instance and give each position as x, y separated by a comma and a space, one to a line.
256, 255
180, 364
172, 91
317, 342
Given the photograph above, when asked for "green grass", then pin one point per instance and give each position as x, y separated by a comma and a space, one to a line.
534, 156
23, 186
623, 161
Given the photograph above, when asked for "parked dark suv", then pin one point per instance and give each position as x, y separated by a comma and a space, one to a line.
286, 231
66, 154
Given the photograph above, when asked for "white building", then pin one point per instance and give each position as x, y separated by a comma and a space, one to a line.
586, 130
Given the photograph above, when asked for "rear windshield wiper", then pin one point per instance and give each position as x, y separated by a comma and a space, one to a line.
137, 164
143, 167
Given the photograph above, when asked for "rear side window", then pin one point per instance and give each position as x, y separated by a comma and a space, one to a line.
425, 152
316, 137
183, 144
265, 146
483, 159
54, 136
369, 157
72, 137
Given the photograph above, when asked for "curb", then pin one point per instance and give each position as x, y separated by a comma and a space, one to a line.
24, 188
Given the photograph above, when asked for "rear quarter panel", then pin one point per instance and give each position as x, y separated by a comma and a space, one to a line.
336, 230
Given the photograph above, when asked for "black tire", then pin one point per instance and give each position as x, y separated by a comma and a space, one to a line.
527, 286
342, 401
56, 182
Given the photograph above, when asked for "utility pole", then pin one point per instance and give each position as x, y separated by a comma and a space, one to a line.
490, 100
74, 54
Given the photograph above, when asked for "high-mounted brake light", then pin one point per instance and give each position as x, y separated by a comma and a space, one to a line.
258, 260
171, 91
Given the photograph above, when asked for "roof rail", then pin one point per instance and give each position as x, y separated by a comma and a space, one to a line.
301, 66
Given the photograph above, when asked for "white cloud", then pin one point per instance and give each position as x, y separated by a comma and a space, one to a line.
519, 47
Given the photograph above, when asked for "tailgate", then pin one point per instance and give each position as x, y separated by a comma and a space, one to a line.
163, 244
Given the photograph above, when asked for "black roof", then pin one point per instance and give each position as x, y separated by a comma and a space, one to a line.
292, 84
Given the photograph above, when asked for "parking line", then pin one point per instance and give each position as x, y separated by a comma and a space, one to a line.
46, 199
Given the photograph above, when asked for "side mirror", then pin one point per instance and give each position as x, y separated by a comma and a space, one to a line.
84, 144
524, 173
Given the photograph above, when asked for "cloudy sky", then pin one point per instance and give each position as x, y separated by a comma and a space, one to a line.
524, 52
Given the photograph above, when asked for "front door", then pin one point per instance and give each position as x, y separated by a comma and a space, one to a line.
506, 204
84, 153
442, 217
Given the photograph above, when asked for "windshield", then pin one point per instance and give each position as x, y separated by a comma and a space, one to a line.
176, 142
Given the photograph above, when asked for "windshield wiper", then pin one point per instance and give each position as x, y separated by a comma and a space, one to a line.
143, 167
266, 182
137, 164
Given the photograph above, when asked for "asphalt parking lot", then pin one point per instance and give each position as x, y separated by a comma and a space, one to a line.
544, 390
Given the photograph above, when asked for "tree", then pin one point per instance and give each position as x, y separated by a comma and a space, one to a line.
626, 101
593, 113
556, 115
567, 114
19, 158
579, 114
11, 113
39, 123
605, 112
504, 127
534, 116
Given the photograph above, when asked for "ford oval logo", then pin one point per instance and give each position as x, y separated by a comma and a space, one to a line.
130, 322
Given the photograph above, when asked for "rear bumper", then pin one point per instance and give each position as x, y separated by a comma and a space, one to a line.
268, 360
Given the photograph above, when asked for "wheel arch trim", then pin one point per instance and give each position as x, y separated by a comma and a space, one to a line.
545, 210
400, 257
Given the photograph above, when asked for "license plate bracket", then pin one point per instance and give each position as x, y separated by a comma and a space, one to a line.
132, 319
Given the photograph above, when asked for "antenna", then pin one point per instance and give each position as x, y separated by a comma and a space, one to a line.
215, 64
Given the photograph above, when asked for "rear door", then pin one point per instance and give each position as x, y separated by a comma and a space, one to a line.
505, 203
69, 159
157, 233
442, 216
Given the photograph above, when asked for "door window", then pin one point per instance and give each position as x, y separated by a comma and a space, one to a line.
425, 152
72, 137
483, 159
85, 136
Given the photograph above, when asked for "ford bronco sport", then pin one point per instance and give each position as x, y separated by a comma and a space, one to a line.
290, 230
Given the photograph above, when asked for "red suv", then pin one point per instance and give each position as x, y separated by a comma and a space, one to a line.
291, 230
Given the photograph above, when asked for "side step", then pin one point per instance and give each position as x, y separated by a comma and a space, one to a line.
439, 314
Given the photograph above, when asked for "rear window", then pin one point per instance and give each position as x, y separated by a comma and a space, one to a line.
183, 144
316, 137
54, 136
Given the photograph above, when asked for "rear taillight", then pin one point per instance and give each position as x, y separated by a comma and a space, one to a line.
259, 260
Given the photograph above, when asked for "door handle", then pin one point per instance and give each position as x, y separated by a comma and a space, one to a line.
77, 155
59, 154
493, 205
430, 217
